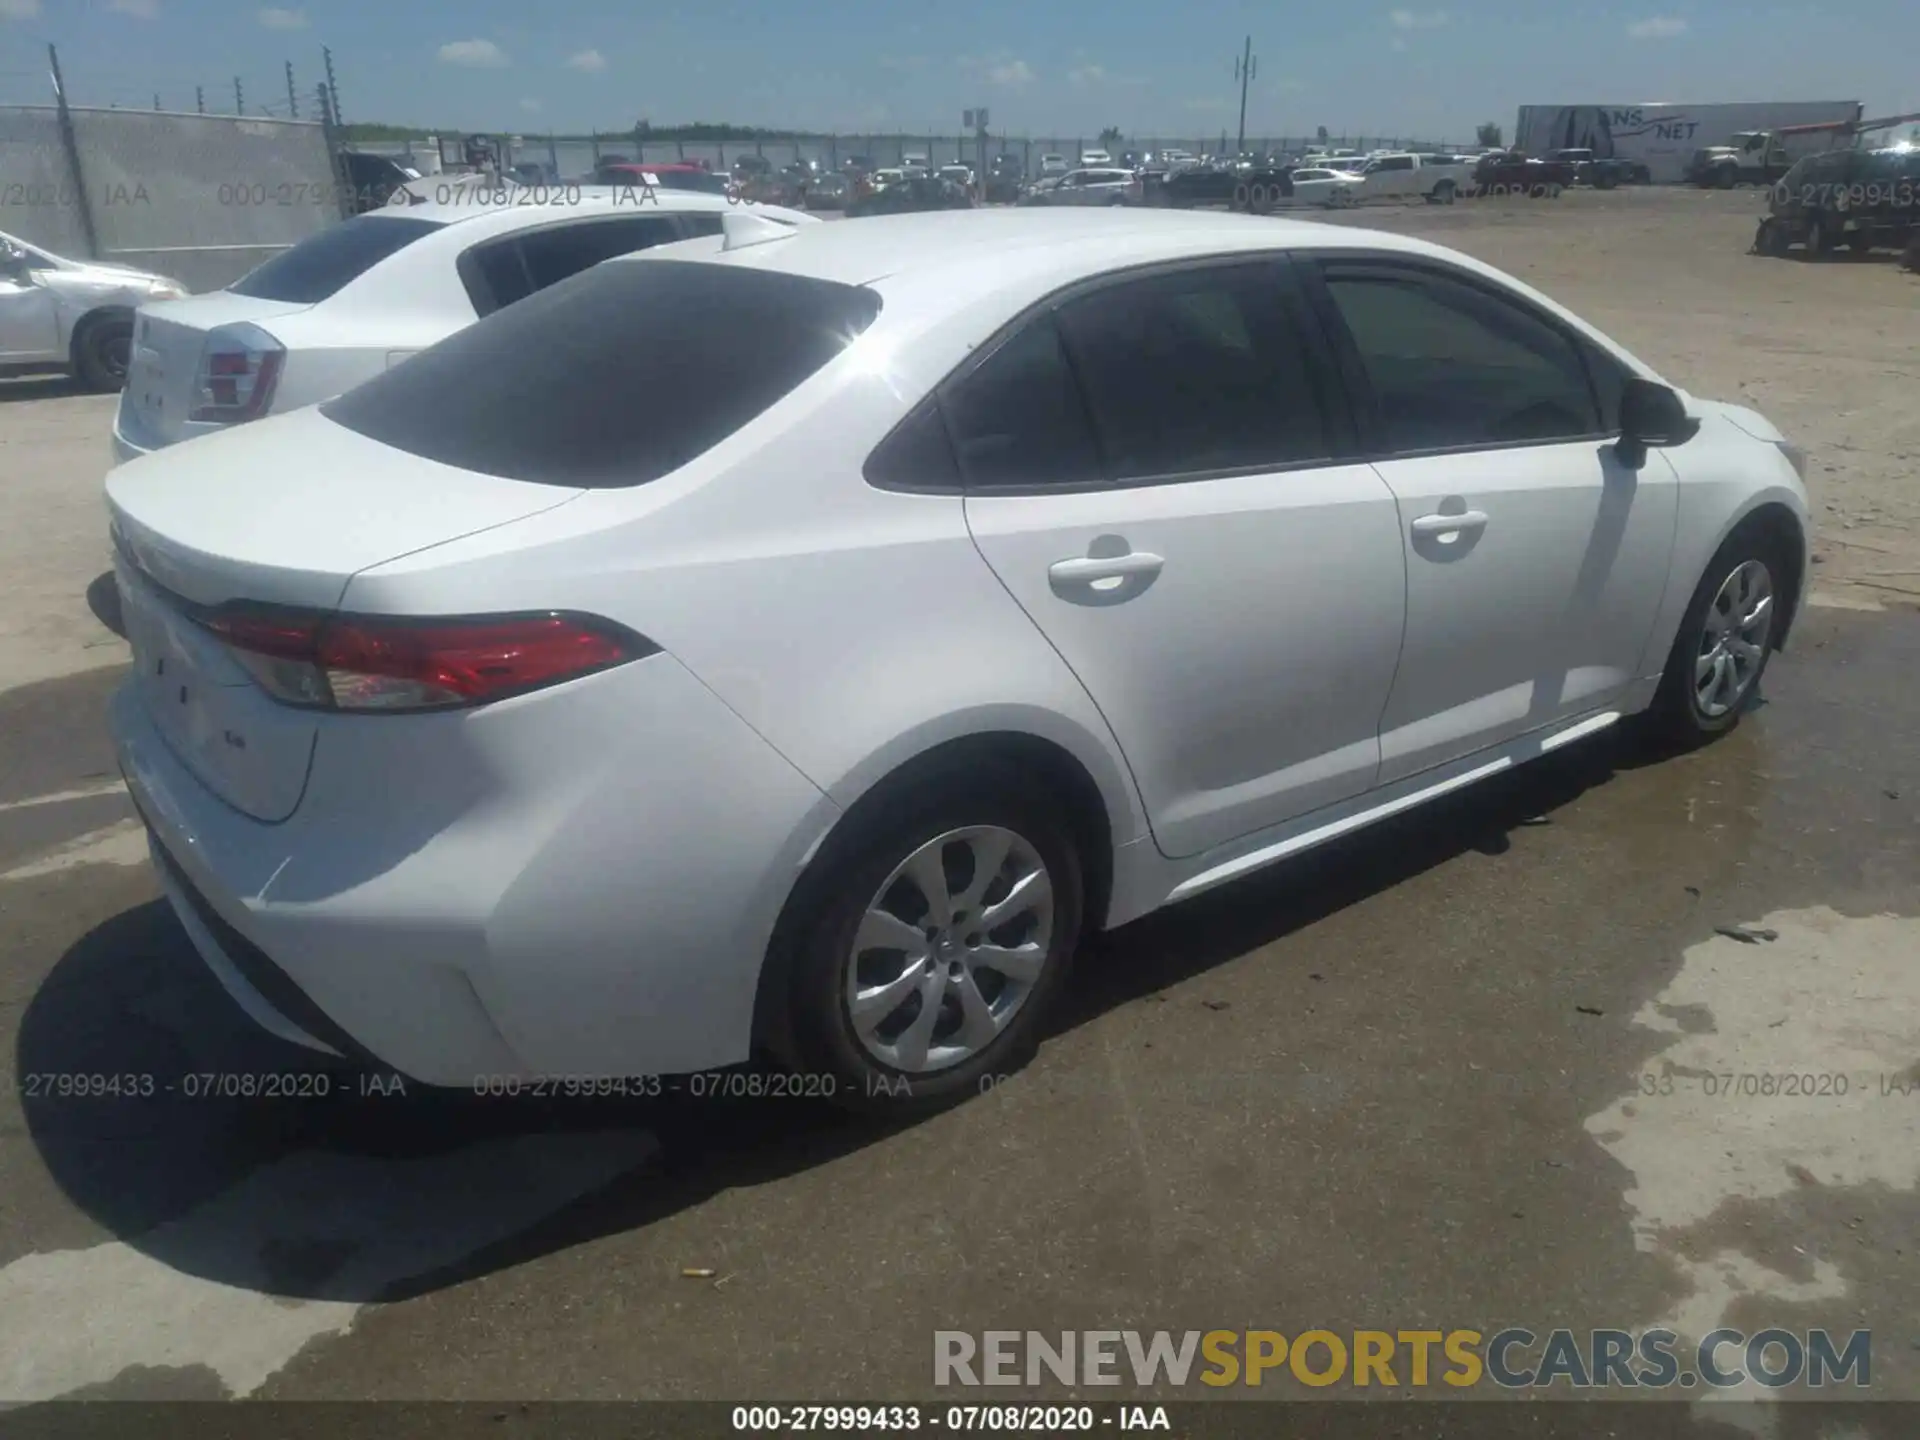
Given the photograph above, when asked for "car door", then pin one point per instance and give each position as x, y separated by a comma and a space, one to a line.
29, 321
1159, 470
1536, 560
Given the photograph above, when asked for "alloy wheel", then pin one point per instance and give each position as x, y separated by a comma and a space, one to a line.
1733, 641
949, 949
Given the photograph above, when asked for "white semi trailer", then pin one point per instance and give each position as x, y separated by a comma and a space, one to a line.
1664, 137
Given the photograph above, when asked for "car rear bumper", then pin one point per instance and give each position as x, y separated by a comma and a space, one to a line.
580, 882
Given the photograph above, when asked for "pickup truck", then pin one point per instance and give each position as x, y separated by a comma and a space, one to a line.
1433, 178
1602, 172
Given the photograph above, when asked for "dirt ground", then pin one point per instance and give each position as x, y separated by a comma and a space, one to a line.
1829, 351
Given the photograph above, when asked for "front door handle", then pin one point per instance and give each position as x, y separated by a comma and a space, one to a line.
1450, 524
1086, 569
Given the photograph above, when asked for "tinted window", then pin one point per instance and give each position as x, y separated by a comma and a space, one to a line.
1609, 380
554, 255
504, 272
1453, 365
614, 377
1195, 372
1018, 420
323, 264
916, 456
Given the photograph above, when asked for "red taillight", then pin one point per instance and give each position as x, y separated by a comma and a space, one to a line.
239, 369
360, 662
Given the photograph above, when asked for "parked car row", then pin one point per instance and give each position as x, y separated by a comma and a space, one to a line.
745, 636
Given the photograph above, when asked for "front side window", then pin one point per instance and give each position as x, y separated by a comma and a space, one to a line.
1199, 371
1452, 365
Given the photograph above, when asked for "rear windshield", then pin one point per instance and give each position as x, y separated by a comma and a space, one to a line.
323, 264
614, 377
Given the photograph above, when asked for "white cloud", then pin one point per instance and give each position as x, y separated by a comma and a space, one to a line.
1014, 72
1418, 19
532, 107
478, 54
591, 61
903, 62
1206, 105
1660, 27
139, 9
276, 17
19, 9
1087, 74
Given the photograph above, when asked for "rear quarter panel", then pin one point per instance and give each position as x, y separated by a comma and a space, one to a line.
851, 627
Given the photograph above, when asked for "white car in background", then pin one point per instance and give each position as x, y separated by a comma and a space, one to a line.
1318, 185
1095, 160
804, 638
1052, 166
363, 295
71, 315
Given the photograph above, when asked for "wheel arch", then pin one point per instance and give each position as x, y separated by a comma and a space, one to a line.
97, 315
1068, 777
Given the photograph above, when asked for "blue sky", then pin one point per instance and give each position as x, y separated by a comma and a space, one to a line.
1067, 68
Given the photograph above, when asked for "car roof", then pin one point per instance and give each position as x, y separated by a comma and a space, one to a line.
491, 211
1054, 245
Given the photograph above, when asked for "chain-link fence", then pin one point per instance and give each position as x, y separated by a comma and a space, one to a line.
201, 198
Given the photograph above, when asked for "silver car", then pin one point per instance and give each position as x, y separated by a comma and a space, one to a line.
1090, 187
71, 315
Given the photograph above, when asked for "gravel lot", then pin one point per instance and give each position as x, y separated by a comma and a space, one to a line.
1400, 1084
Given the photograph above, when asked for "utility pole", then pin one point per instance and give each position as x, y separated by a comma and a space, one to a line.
200, 99
72, 147
156, 99
239, 99
293, 100
1243, 69
333, 90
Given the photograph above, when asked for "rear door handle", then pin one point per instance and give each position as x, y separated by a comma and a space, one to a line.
1086, 570
1449, 524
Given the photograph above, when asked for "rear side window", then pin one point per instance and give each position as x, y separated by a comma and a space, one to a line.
322, 265
1195, 372
1018, 420
504, 272
613, 378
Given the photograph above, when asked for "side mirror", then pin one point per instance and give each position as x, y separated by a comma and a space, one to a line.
13, 261
1650, 414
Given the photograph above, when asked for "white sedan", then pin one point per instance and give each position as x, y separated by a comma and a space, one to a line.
360, 296
776, 640
1319, 186
58, 313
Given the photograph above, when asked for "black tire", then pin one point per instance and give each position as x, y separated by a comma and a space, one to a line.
1860, 241
1605, 180
102, 348
1773, 239
1676, 719
836, 894
1442, 193
1727, 178
1555, 190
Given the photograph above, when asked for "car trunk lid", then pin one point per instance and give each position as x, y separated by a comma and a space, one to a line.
226, 520
163, 370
